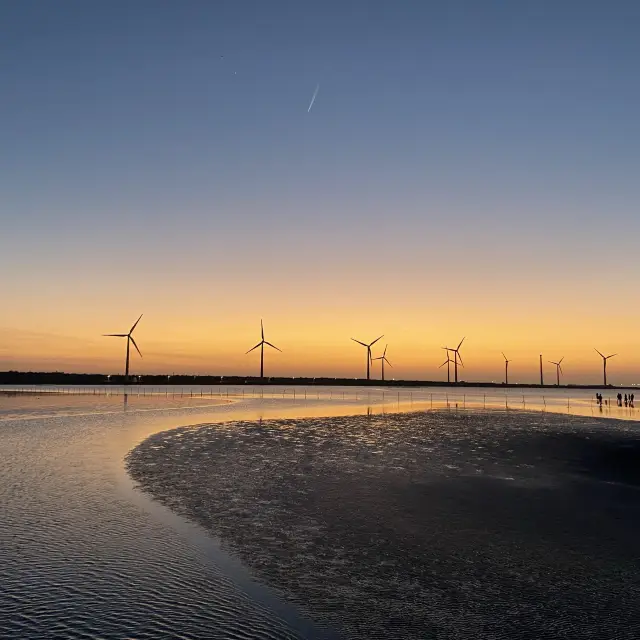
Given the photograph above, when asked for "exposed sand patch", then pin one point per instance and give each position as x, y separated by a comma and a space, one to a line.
425, 525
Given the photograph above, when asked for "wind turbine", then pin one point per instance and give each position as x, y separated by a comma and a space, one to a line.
558, 369
130, 339
369, 358
448, 361
457, 355
383, 359
506, 368
261, 345
604, 362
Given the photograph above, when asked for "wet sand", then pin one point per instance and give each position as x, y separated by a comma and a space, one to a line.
424, 525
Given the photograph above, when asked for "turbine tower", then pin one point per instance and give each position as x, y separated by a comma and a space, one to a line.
130, 339
383, 359
541, 377
448, 362
558, 370
369, 358
506, 368
456, 355
604, 363
261, 345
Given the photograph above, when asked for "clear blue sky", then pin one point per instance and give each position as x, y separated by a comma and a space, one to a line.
155, 139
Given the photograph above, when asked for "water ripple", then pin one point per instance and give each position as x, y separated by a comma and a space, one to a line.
80, 560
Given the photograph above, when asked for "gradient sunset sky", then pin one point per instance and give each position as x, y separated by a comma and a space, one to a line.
468, 169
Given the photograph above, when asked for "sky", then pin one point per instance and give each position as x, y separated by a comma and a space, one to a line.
467, 169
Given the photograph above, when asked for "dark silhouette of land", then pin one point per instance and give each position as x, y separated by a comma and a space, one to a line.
61, 378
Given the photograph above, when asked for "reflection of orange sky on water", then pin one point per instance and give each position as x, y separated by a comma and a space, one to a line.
157, 410
188, 329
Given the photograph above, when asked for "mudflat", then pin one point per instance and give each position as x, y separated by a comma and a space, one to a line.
496, 524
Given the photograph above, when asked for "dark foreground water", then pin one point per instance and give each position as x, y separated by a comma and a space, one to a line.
425, 525
82, 555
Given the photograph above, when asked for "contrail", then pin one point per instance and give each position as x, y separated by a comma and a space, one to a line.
315, 93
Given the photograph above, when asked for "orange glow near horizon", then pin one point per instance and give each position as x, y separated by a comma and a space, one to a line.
199, 339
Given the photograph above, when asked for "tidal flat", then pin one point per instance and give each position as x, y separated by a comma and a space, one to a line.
437, 524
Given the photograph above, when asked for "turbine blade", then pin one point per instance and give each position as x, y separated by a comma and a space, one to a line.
376, 340
115, 335
135, 324
445, 362
273, 346
358, 341
458, 355
135, 345
561, 359
601, 355
252, 348
388, 363
384, 353
461, 341
611, 356
261, 329
505, 357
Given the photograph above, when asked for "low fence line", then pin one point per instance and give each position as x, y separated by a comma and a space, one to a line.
385, 397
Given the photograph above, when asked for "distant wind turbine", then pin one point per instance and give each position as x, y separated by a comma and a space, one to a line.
383, 359
456, 355
604, 363
448, 362
506, 368
558, 370
369, 358
261, 345
130, 339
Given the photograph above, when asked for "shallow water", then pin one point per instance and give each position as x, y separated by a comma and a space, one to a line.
84, 554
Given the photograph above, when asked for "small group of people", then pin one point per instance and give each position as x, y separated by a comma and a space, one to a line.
627, 399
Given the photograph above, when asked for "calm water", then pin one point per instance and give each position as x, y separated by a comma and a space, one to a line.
83, 554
